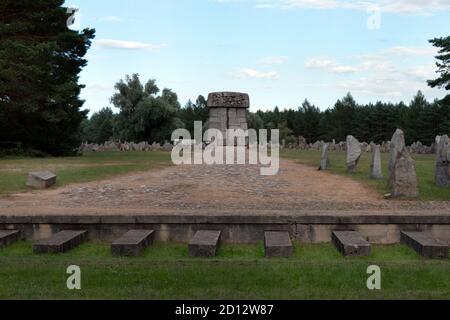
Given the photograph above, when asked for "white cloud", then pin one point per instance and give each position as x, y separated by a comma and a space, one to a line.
415, 7
412, 51
318, 63
344, 69
273, 60
330, 65
252, 73
127, 45
383, 74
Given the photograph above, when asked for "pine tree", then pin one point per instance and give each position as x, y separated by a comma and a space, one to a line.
40, 60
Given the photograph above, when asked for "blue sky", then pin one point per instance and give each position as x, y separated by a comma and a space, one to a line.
278, 51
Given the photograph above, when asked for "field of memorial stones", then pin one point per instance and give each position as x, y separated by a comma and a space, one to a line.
425, 168
137, 266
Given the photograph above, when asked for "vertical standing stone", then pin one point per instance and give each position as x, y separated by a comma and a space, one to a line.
353, 153
324, 161
403, 178
375, 166
396, 145
442, 176
402, 168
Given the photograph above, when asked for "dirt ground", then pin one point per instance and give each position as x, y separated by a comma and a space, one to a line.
219, 189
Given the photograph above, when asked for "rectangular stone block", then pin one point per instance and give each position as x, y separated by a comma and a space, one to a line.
41, 180
424, 244
278, 244
8, 237
351, 243
133, 242
204, 244
228, 99
61, 242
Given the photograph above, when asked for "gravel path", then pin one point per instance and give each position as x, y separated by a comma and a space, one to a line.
212, 190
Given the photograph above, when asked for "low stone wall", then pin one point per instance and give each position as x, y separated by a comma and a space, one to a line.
378, 229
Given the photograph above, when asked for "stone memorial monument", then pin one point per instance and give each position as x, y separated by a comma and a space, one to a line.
228, 110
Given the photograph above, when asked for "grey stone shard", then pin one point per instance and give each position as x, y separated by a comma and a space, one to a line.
324, 161
41, 179
442, 176
396, 146
167, 146
403, 179
375, 165
353, 153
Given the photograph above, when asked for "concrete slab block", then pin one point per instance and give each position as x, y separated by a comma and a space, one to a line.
41, 179
351, 243
133, 242
278, 244
204, 243
61, 242
424, 244
8, 237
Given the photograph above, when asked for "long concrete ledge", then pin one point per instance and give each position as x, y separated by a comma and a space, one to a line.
305, 227
354, 218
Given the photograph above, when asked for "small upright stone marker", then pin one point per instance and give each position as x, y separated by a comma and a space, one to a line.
132, 243
403, 178
424, 244
402, 168
278, 244
351, 243
324, 161
442, 176
204, 244
353, 153
41, 180
375, 166
8, 237
395, 147
61, 242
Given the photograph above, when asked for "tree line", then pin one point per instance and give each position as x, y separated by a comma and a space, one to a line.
41, 110
420, 119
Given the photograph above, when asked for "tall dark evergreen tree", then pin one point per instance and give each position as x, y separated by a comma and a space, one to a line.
40, 60
443, 64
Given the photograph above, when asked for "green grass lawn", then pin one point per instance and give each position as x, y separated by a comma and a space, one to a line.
425, 166
91, 166
165, 271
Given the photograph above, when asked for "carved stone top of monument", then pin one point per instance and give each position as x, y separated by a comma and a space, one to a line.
228, 100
